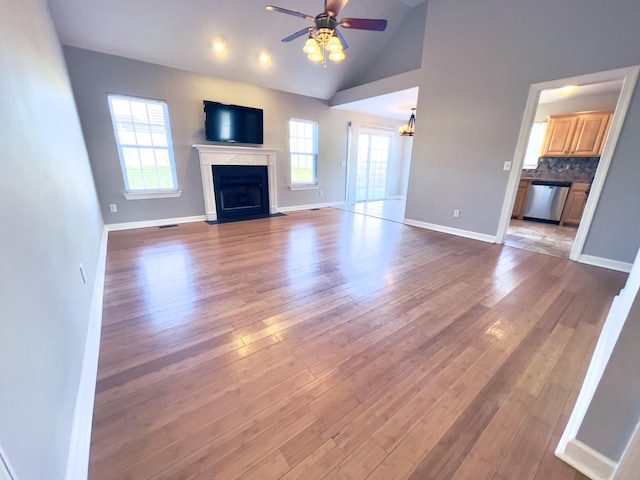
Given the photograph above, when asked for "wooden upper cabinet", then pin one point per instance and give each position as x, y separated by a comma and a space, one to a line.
576, 134
591, 133
559, 135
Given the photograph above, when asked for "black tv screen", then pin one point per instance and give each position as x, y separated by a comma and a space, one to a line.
232, 123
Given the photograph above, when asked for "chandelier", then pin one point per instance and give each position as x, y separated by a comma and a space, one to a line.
408, 129
322, 39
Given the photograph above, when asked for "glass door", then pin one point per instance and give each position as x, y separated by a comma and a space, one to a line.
371, 166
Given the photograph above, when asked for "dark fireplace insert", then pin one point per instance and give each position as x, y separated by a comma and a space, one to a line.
241, 191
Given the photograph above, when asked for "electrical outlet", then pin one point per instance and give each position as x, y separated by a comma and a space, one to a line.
84, 277
113, 208
320, 192
456, 213
507, 166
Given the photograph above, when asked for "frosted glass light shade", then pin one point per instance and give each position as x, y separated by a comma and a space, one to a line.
311, 47
334, 44
337, 56
316, 56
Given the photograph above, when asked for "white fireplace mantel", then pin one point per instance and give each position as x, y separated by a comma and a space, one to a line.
231, 155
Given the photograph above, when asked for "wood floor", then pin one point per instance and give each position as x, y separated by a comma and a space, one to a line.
327, 344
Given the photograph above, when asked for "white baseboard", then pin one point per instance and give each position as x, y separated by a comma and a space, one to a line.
606, 341
587, 461
453, 231
605, 263
310, 206
78, 459
114, 227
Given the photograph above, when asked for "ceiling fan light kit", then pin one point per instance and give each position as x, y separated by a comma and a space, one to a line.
324, 36
322, 41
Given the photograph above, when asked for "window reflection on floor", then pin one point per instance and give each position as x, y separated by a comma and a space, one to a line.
391, 209
167, 282
302, 257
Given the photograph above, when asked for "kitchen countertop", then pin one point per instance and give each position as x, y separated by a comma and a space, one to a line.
568, 176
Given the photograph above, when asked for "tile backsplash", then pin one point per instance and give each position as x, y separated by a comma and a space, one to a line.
582, 166
581, 169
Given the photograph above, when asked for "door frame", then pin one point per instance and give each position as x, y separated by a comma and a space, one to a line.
629, 75
352, 145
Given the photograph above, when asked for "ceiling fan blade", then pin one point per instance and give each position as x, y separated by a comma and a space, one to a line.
345, 45
298, 34
273, 8
333, 7
364, 24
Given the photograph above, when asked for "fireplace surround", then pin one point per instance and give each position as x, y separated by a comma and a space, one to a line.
214, 155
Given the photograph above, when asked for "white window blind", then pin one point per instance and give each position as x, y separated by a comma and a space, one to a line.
303, 150
143, 136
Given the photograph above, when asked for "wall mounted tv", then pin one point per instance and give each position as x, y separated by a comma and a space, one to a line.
232, 123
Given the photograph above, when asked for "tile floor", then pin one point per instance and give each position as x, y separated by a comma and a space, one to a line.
541, 237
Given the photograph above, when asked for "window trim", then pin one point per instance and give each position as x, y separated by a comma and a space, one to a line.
529, 155
316, 134
133, 194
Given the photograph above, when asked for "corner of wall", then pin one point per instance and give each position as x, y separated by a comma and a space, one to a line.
587, 461
78, 459
5, 470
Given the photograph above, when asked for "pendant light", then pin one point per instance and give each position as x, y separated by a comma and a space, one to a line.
408, 129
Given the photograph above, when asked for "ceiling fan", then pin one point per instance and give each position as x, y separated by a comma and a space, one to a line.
324, 36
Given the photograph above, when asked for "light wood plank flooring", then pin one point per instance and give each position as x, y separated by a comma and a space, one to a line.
327, 344
390, 209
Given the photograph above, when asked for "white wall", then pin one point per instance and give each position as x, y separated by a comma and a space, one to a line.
479, 61
605, 101
94, 74
50, 224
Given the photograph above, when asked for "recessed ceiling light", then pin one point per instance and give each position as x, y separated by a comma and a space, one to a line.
220, 47
568, 90
264, 57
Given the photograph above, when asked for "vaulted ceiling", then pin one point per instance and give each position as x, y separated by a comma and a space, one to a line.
180, 34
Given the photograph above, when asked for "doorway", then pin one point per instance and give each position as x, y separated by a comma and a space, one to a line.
377, 172
372, 163
570, 240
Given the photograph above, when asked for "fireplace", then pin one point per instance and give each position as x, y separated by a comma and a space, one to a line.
241, 191
239, 195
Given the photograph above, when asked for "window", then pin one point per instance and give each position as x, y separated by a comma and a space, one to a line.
536, 137
303, 148
143, 136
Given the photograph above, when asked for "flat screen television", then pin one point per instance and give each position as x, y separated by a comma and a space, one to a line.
233, 123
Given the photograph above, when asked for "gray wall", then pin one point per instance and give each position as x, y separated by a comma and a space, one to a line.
402, 54
615, 409
50, 224
93, 75
479, 61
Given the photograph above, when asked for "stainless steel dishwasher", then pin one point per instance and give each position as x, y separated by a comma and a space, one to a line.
546, 201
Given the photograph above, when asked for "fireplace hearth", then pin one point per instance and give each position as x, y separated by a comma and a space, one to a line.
241, 191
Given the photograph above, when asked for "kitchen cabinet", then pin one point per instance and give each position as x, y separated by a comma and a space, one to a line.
559, 135
574, 206
576, 134
521, 199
